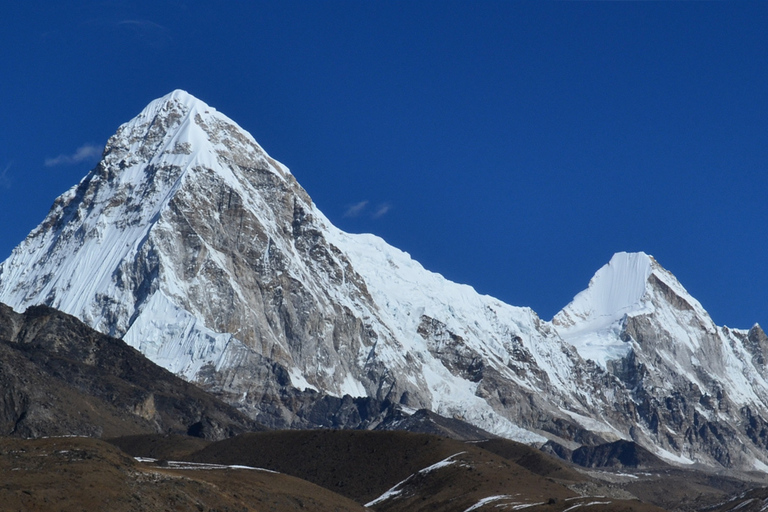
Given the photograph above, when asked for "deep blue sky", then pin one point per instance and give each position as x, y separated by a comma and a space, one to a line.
512, 146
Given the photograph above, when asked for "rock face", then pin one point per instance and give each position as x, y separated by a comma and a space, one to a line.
698, 391
194, 246
60, 377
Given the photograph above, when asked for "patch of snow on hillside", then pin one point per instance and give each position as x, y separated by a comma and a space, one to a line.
391, 493
443, 463
486, 501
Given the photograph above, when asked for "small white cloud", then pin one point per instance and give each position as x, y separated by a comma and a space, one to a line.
142, 24
148, 32
84, 153
382, 210
356, 209
5, 179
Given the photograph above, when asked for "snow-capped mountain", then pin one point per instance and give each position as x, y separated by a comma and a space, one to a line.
696, 388
193, 245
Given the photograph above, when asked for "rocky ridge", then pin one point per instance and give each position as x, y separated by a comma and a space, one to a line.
59, 377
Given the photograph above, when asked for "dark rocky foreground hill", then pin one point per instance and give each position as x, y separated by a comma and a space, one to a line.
60, 377
404, 471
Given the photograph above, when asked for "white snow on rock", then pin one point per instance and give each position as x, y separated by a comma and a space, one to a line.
397, 489
193, 245
490, 499
615, 290
109, 253
593, 319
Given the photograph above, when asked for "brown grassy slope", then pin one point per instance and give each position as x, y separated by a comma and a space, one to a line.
363, 465
534, 460
463, 480
357, 464
76, 474
479, 480
687, 489
159, 446
754, 500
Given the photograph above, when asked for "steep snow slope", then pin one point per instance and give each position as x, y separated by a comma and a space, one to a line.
594, 317
193, 245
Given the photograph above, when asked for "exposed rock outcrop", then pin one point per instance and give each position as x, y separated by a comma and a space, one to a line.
60, 377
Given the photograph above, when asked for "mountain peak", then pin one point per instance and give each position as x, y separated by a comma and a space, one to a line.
179, 131
177, 97
630, 285
613, 291
104, 221
593, 318
184, 97
173, 124
193, 245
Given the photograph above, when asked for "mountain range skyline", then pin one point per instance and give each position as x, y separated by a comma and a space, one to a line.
195, 247
336, 360
513, 148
